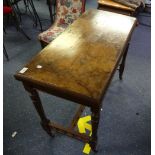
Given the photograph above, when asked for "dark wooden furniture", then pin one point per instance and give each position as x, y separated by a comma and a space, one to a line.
79, 65
109, 5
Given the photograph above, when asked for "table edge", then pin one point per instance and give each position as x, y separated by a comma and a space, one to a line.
56, 91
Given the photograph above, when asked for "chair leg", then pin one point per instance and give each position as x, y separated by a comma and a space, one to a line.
52, 9
5, 53
42, 44
35, 14
22, 31
19, 27
4, 29
19, 12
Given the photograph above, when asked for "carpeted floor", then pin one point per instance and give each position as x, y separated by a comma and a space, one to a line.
125, 120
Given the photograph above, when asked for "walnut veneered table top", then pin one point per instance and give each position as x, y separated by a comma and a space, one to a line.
81, 61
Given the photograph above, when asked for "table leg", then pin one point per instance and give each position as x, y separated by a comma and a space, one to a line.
122, 65
95, 122
38, 106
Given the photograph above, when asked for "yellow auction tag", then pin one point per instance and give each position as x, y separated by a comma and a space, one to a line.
82, 126
87, 149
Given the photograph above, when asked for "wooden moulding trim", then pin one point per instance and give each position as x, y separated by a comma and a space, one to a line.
63, 93
69, 132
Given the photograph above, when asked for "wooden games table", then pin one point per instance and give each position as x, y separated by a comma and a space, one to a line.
79, 65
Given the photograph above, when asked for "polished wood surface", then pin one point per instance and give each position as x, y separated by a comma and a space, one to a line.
83, 58
114, 4
78, 66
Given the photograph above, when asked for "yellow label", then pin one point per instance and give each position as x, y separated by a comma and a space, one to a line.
82, 126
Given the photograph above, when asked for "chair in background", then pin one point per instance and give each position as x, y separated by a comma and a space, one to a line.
67, 12
11, 11
30, 6
8, 11
29, 9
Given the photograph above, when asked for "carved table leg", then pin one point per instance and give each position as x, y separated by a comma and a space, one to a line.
95, 122
122, 65
38, 106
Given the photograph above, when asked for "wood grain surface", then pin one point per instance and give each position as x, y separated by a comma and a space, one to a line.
82, 60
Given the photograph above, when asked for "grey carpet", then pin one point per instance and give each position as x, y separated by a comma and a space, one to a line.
125, 120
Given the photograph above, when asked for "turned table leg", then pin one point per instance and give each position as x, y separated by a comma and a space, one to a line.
95, 122
38, 106
122, 65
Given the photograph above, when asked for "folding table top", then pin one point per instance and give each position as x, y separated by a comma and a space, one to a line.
82, 60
